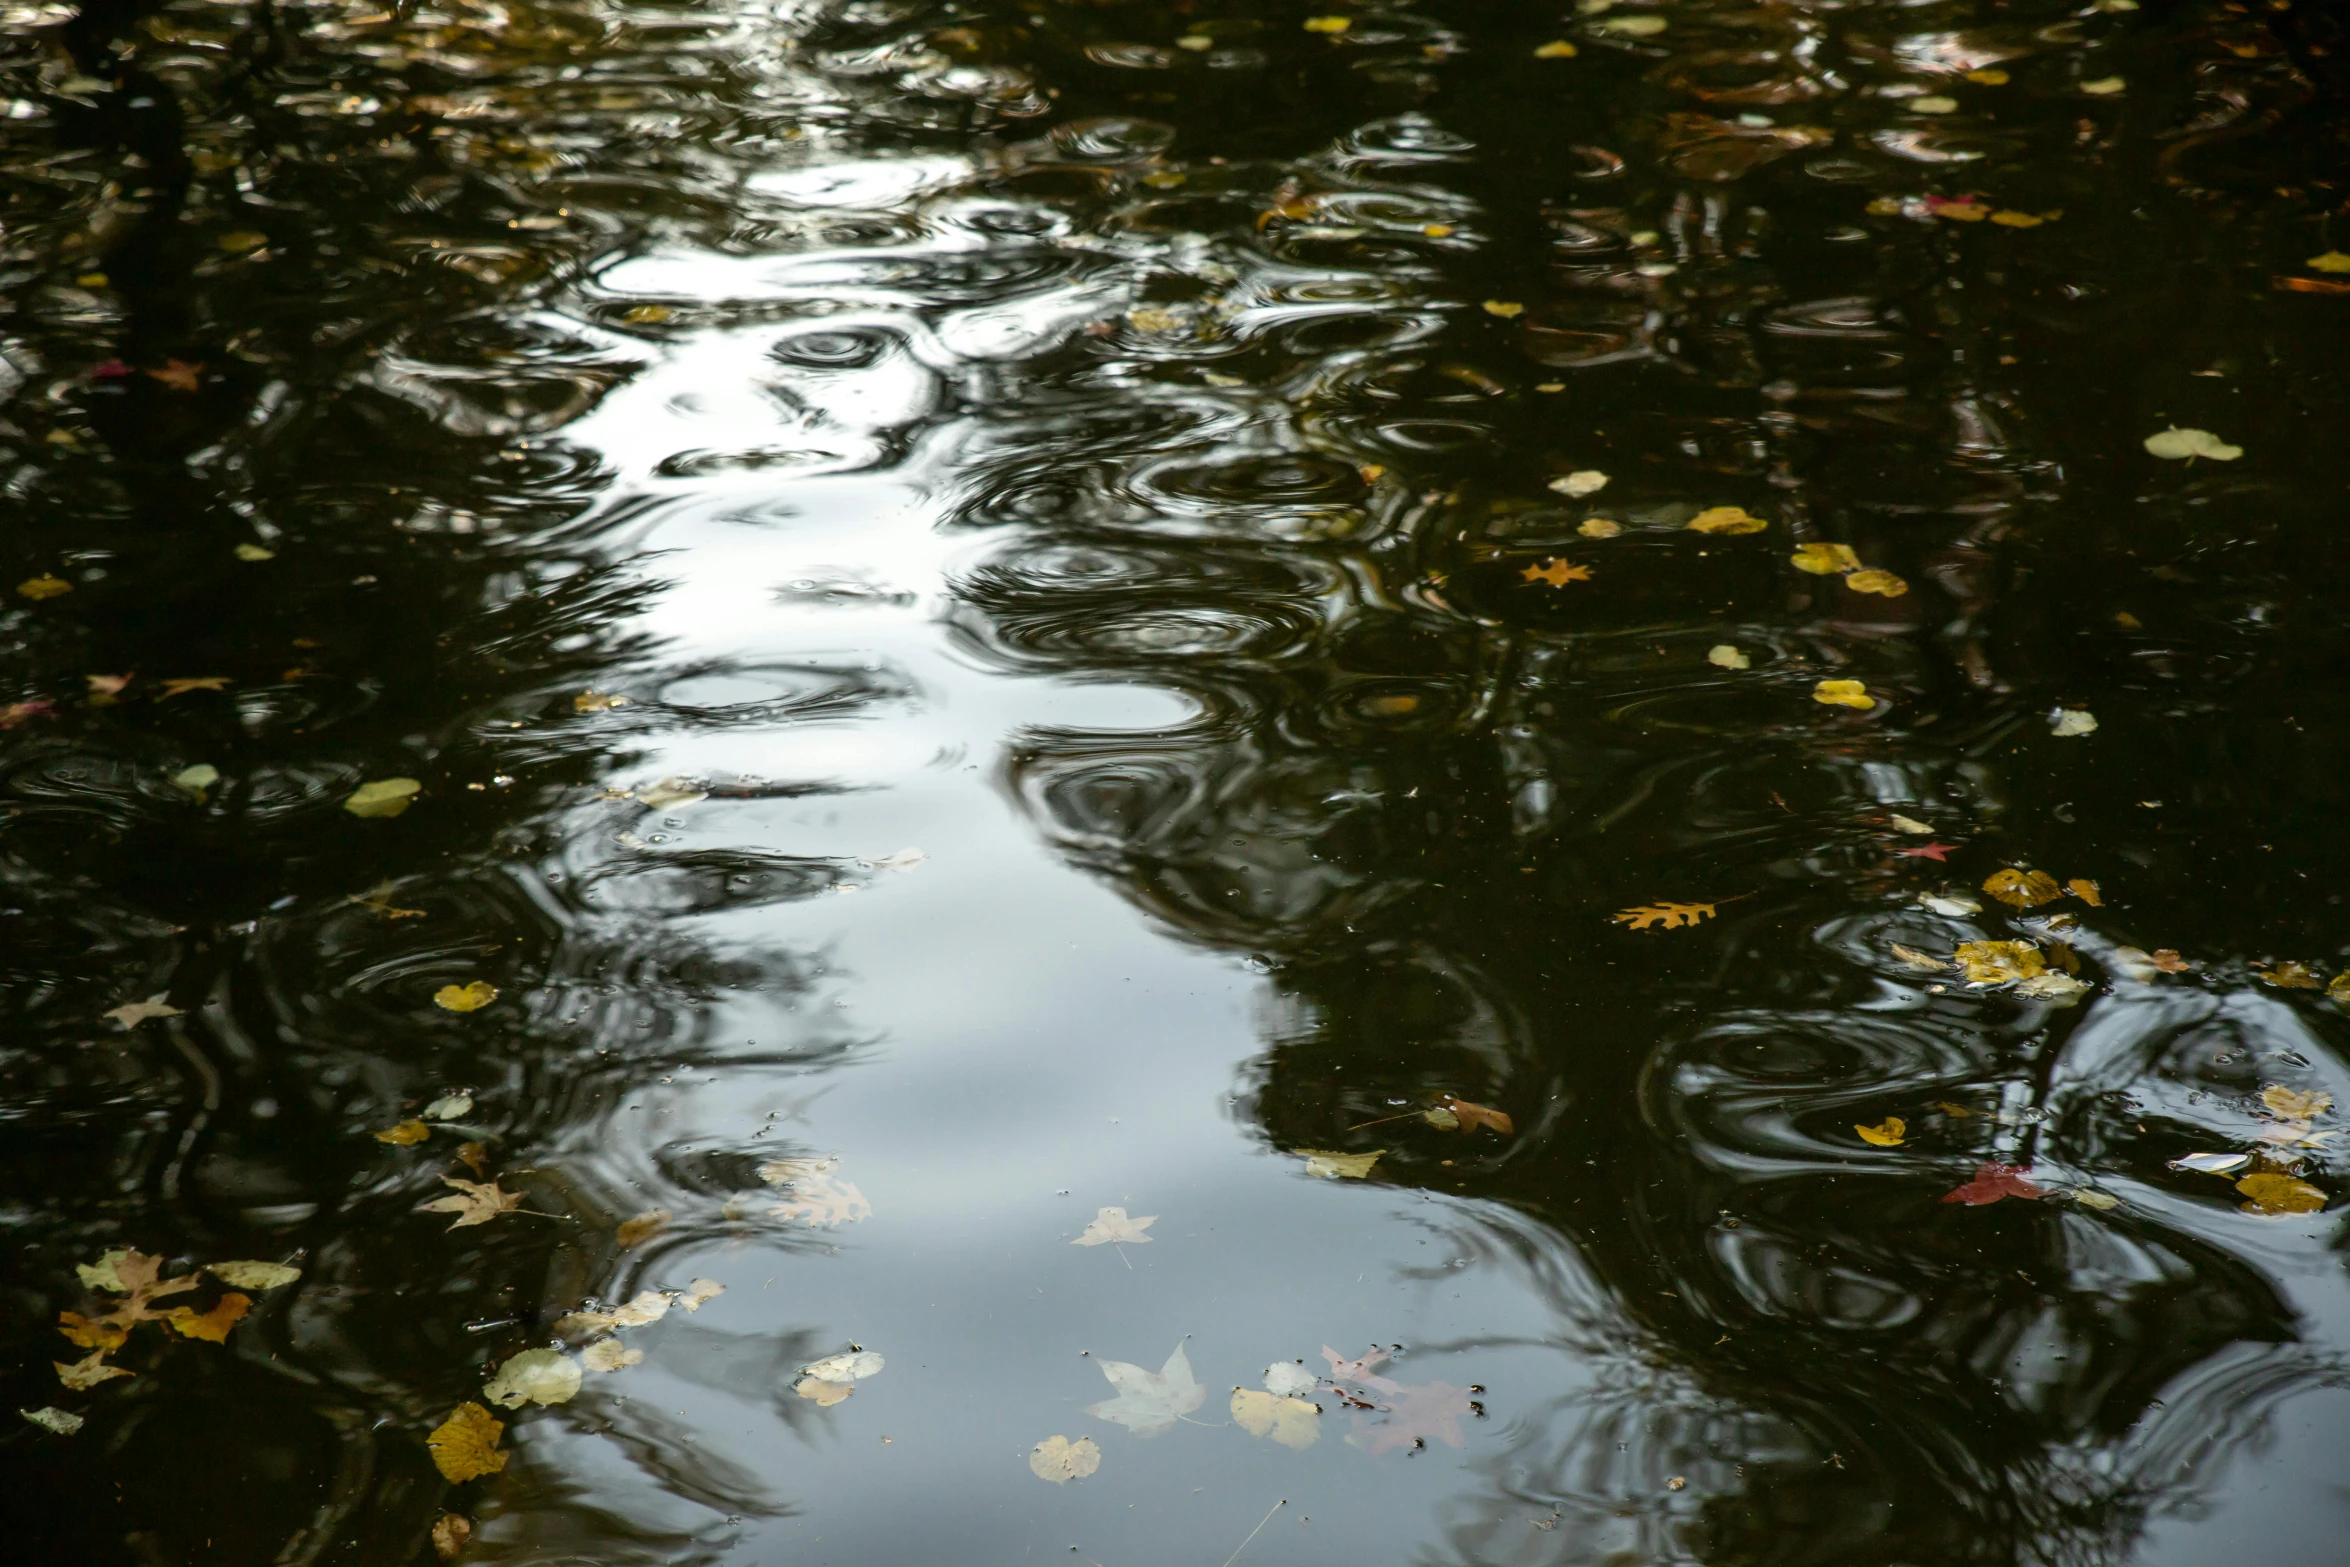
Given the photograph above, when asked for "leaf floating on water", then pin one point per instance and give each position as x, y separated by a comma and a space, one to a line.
1599, 528
50, 1418
2169, 961
2104, 86
1911, 825
1328, 24
1843, 693
1558, 573
699, 1293
1933, 104
450, 1107
2070, 723
1060, 1460
2091, 1197
2291, 976
1726, 519
2022, 889
1630, 27
1293, 1422
1997, 962
1148, 1402
2296, 1104
2060, 989
609, 1354
1556, 49
195, 780
1582, 482
1504, 308
1416, 1413
854, 1366
1956, 906
1723, 656
2280, 1194
465, 998
383, 797
2084, 889
1886, 1134
671, 794
823, 1394
86, 1373
181, 687
635, 1232
596, 702
211, 1326
1993, 1183
2187, 445
536, 1376
1988, 76
405, 1134
1923, 962
1824, 560
1287, 1379
823, 1201
2211, 1163
1883, 583
476, 1202
1469, 1117
253, 1275
1112, 1224
1332, 1166
450, 1534
43, 586
1673, 916
92, 1333
132, 1013
465, 1446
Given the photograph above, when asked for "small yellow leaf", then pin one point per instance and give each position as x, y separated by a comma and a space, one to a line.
404, 1134
465, 1446
2280, 1194
596, 702
1726, 519
1556, 49
1843, 693
1558, 573
1882, 582
382, 797
2296, 1104
2104, 86
1327, 24
2177, 444
1923, 962
609, 1354
91, 1333
1599, 528
86, 1373
642, 1228
2022, 889
1504, 308
465, 998
253, 552
1988, 76
2331, 261
1060, 1460
1113, 1225
1293, 1422
2291, 976
1724, 656
1335, 1166
2084, 889
645, 315
211, 1326
242, 239
1998, 962
1886, 1134
1582, 482
44, 586
1933, 103
253, 1275
1824, 560
451, 1532
2010, 219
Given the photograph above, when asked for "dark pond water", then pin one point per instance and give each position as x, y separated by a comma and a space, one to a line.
967, 614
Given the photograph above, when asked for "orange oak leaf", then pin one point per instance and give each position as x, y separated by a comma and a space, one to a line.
211, 1326
1472, 1116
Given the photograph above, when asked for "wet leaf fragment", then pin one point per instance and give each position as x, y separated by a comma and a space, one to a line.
1923, 962
1993, 1183
1060, 1460
2022, 889
450, 1534
1882, 583
1885, 1134
1415, 1414
2186, 445
609, 1354
1726, 519
1843, 693
536, 1376
1998, 962
1672, 916
382, 798
1331, 1166
86, 1373
635, 1232
470, 997
1293, 1422
405, 1134
1824, 560
465, 1445
50, 1418
2296, 1104
2277, 1194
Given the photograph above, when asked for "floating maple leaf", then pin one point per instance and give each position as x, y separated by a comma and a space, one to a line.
1149, 1402
1344, 1370
1938, 852
132, 1013
1416, 1413
476, 1202
1673, 916
1993, 1182
1557, 573
2022, 889
1112, 1225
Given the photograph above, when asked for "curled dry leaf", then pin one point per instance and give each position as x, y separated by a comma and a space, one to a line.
1672, 916
465, 998
2022, 889
1883, 583
1726, 519
382, 797
1886, 1134
1332, 1166
465, 1446
1293, 1422
2271, 1193
450, 1533
1843, 693
536, 1376
1993, 1183
1112, 1224
1060, 1460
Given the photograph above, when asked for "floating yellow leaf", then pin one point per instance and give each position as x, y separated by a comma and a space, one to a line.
2296, 1104
2280, 1194
382, 797
1886, 1134
44, 586
404, 1134
1923, 962
2010, 219
2022, 889
1060, 1460
609, 1354
1337, 1166
465, 1446
91, 1333
1726, 519
1582, 482
536, 1376
2104, 86
642, 1228
1824, 560
1327, 24
1843, 693
241, 239
86, 1373
1598, 528
2331, 261
253, 1275
1556, 49
451, 1532
254, 552
2084, 889
465, 998
1557, 573
1988, 77
1673, 916
2187, 445
1933, 103
211, 1326
596, 702
1997, 962
1293, 1422
1723, 656
2291, 976
1504, 308
476, 1202
1881, 582
1633, 26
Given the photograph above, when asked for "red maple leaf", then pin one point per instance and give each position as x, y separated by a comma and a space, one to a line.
1932, 851
1991, 1183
